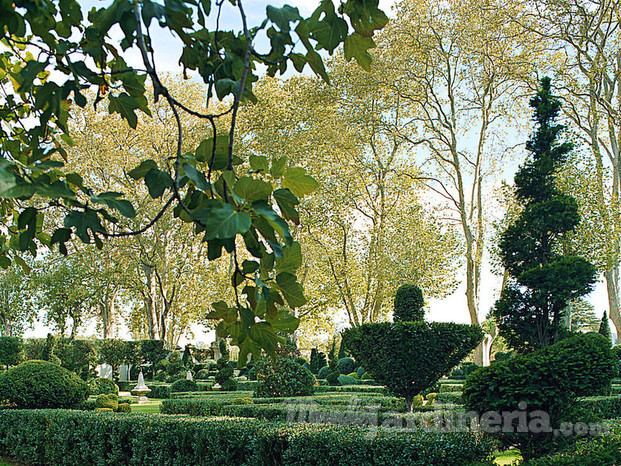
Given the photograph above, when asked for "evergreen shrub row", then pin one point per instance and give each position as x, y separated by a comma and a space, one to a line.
60, 437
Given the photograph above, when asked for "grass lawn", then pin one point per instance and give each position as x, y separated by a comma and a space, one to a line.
508, 457
153, 406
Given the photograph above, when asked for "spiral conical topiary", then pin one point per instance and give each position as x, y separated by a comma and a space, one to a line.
542, 280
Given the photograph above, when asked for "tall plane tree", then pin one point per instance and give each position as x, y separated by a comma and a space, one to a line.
542, 280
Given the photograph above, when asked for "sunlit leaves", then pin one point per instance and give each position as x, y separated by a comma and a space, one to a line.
298, 182
221, 220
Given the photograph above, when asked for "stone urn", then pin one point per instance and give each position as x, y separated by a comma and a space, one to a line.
141, 390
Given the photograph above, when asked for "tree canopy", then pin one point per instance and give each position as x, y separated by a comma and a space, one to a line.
54, 54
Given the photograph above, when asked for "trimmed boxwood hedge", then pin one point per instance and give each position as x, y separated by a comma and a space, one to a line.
41, 384
80, 437
606, 407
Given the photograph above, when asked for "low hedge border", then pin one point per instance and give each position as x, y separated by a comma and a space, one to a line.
449, 397
606, 407
379, 389
63, 437
305, 412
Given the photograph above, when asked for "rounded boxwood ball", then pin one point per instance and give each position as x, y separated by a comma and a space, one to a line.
184, 385
103, 386
323, 372
280, 376
41, 385
347, 365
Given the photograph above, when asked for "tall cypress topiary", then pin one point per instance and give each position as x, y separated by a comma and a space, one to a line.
604, 328
542, 280
409, 304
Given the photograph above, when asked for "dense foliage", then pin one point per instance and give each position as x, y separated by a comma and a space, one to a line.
280, 377
548, 380
199, 184
184, 385
41, 384
317, 360
10, 351
409, 357
103, 386
58, 437
409, 305
543, 280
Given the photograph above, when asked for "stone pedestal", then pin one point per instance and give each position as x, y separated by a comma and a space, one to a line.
141, 390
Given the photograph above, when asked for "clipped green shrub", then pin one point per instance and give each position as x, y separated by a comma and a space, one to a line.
184, 385
317, 361
41, 384
108, 401
10, 351
176, 367
602, 451
323, 372
278, 376
102, 386
410, 357
124, 408
203, 374
229, 385
59, 437
409, 304
450, 397
548, 380
347, 380
360, 371
159, 391
347, 365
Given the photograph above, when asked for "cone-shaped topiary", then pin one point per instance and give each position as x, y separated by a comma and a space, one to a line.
410, 357
409, 304
604, 328
542, 280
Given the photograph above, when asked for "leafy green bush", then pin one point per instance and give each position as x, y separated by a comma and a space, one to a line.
280, 376
10, 351
409, 305
317, 361
606, 407
103, 386
360, 371
347, 365
323, 372
41, 384
124, 408
410, 357
450, 397
173, 368
602, 451
59, 437
108, 401
159, 391
229, 385
203, 374
184, 385
549, 380
347, 380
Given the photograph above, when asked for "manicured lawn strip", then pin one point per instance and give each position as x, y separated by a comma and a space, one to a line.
62, 437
